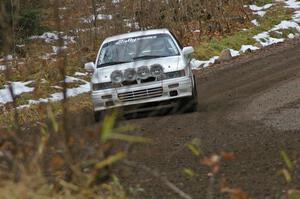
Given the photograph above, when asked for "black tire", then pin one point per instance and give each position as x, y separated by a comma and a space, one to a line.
98, 116
190, 104
195, 97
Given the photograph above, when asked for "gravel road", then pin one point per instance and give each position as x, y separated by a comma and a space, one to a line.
249, 106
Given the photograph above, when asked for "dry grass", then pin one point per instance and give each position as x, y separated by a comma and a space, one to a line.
37, 113
36, 187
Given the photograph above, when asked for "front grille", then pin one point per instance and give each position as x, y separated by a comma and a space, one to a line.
141, 94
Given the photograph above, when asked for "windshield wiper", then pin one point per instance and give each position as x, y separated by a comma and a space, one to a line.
149, 57
112, 63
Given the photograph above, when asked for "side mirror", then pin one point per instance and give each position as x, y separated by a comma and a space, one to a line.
187, 50
89, 67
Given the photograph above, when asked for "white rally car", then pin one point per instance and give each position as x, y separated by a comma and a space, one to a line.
141, 71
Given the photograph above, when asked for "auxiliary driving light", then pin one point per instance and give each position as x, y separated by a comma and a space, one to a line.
116, 76
143, 72
130, 74
156, 70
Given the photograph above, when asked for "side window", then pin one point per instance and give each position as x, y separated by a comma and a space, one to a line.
178, 42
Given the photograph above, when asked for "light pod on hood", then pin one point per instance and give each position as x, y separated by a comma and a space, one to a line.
156, 70
130, 74
117, 76
143, 72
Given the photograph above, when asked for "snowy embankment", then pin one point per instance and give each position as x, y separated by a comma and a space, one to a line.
58, 96
53, 37
19, 88
22, 87
264, 38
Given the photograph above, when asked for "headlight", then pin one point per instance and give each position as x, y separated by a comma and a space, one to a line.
174, 74
102, 86
117, 76
143, 72
130, 74
156, 70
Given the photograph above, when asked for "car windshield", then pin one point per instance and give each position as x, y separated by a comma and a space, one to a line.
137, 48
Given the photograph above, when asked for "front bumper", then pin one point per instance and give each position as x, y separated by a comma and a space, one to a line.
158, 91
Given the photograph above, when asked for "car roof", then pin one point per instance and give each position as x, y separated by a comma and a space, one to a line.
136, 34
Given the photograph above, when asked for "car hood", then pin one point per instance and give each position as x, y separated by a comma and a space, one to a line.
169, 64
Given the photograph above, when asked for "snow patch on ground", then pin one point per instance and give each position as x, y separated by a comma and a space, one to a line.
263, 38
202, 64
50, 37
296, 17
2, 67
18, 89
234, 53
130, 24
286, 25
260, 13
260, 10
245, 48
79, 30
80, 74
22, 87
57, 87
294, 4
58, 49
58, 96
91, 19
255, 22
198, 64
70, 79
291, 36
47, 37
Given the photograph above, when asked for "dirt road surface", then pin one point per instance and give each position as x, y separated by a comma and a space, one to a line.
250, 106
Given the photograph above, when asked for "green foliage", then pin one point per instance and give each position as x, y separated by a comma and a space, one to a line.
23, 21
29, 23
194, 147
189, 173
110, 160
287, 173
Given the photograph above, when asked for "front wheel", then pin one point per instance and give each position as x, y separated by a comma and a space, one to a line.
194, 101
190, 104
